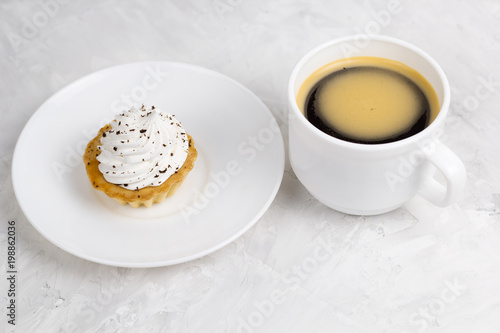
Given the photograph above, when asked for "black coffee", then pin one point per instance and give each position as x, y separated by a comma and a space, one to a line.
368, 100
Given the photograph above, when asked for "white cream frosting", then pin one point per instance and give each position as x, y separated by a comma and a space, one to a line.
144, 147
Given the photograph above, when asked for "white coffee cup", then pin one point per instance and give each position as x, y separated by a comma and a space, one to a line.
368, 179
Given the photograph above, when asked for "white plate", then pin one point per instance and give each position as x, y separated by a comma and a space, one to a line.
236, 176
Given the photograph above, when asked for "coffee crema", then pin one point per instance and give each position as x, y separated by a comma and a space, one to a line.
368, 100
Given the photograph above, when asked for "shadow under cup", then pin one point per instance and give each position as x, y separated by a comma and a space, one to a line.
352, 177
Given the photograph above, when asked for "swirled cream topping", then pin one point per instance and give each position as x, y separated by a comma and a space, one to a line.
144, 147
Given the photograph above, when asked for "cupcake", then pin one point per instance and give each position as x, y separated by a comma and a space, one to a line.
141, 157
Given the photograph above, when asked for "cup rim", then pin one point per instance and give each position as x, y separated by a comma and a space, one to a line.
363, 146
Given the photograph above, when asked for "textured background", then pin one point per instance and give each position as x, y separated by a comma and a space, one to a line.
416, 269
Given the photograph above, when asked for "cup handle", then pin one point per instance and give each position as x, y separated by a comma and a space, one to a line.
453, 170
